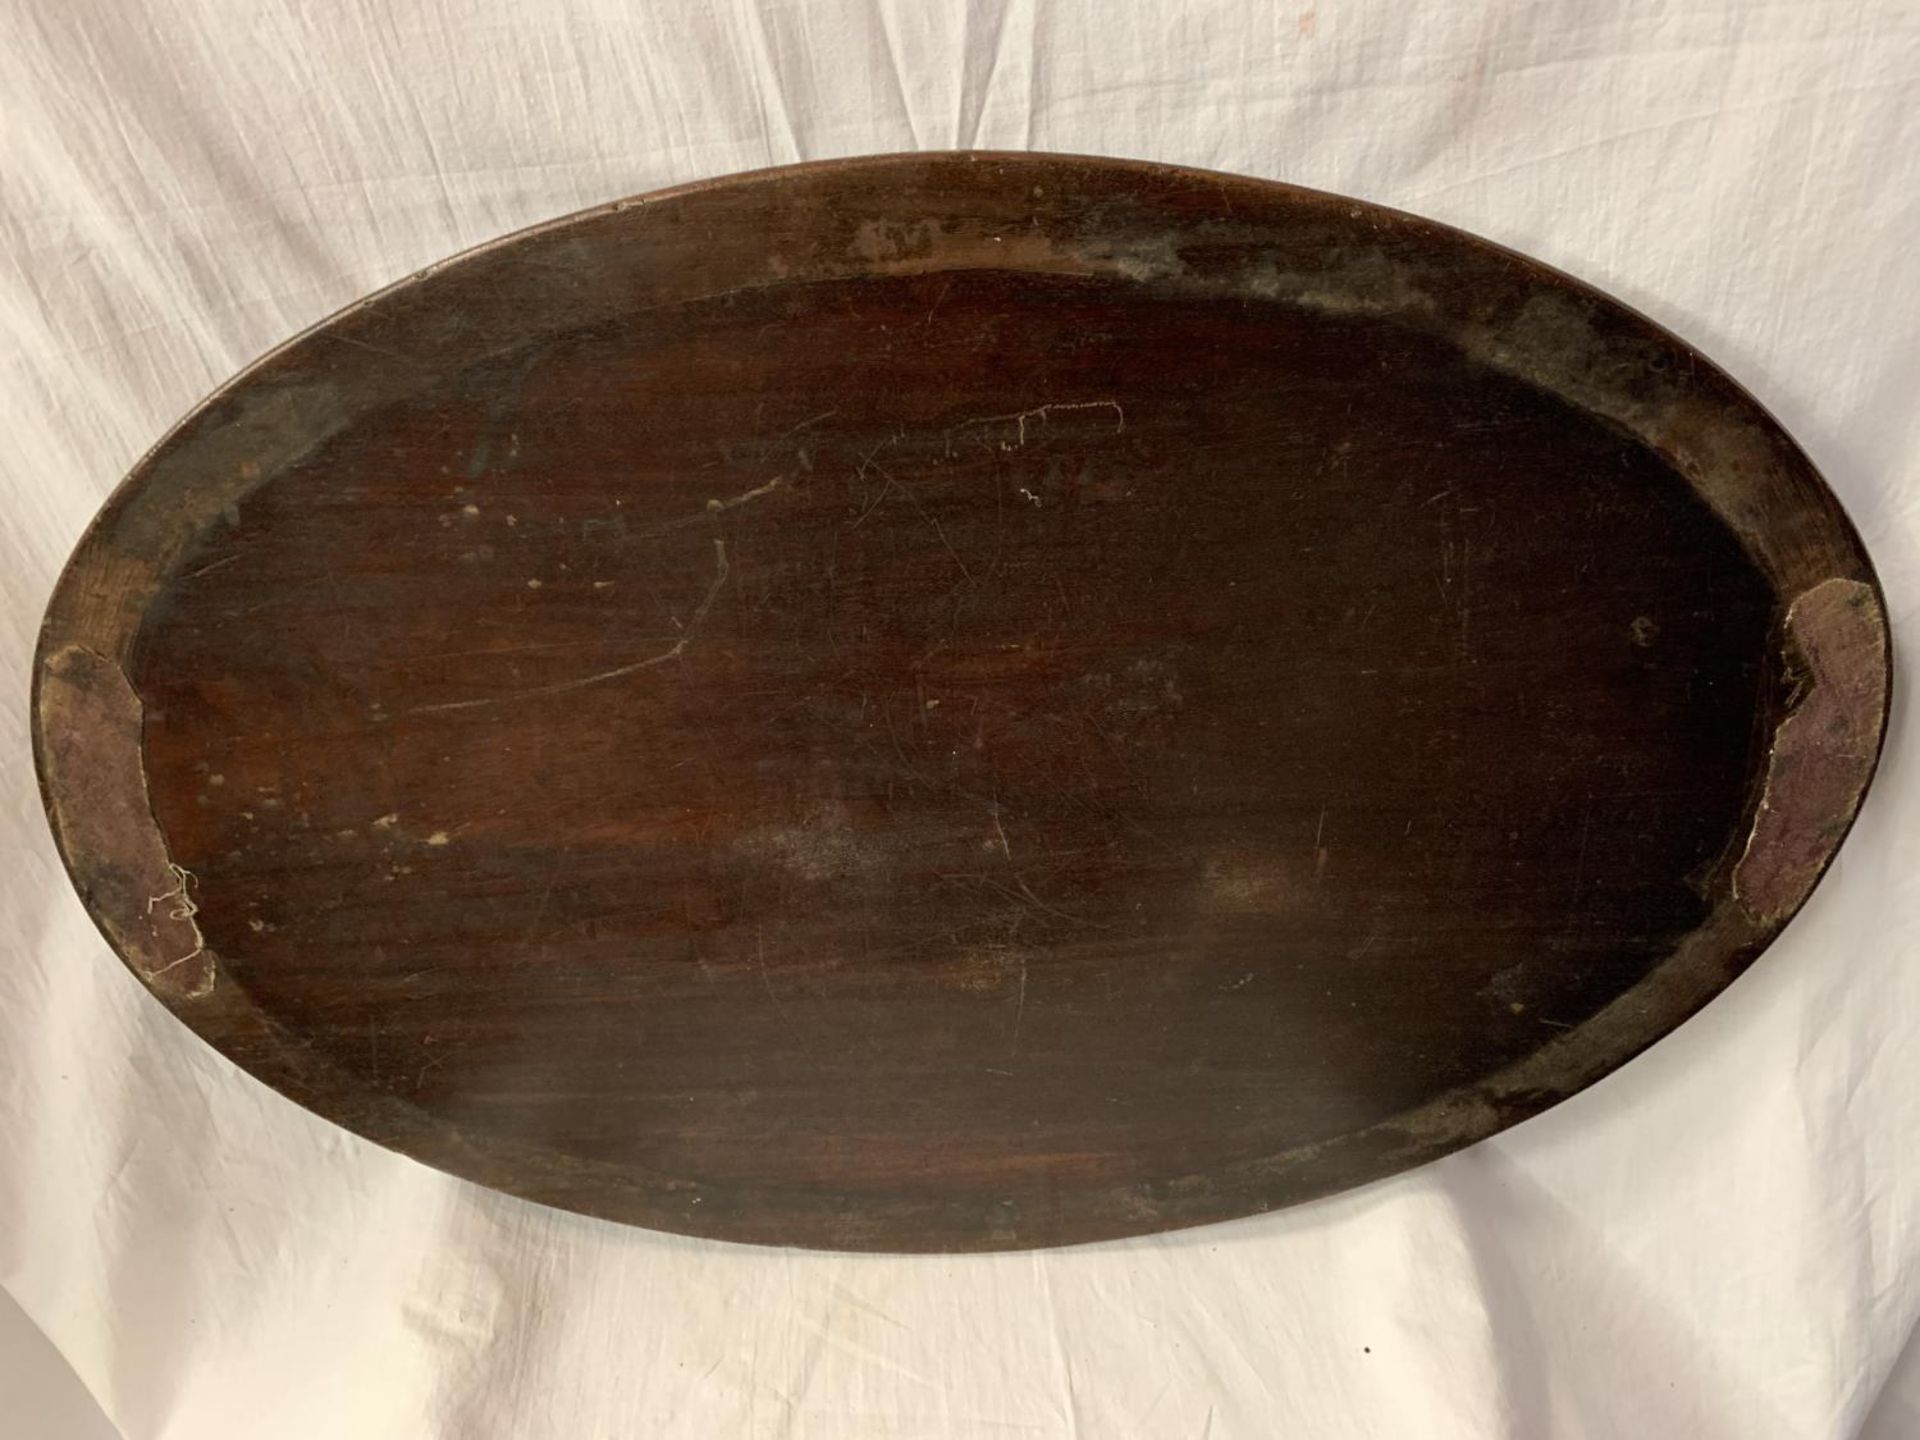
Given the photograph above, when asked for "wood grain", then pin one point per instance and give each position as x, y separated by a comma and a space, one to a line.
959, 702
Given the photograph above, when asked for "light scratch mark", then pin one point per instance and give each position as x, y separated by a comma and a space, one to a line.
562, 687
546, 895
1021, 890
808, 424
1019, 1011
1580, 865
184, 909
1466, 606
340, 339
211, 566
1020, 419
885, 490
925, 514
866, 460
766, 981
937, 301
754, 494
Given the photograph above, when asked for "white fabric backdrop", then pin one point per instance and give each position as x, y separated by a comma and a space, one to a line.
1722, 1241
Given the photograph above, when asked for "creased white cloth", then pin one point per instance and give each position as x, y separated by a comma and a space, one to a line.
1721, 1242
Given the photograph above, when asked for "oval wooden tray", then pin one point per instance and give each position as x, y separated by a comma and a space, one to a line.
958, 701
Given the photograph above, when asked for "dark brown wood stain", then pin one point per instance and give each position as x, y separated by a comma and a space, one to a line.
959, 702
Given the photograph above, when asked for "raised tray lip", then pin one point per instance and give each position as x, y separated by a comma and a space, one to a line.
1704, 964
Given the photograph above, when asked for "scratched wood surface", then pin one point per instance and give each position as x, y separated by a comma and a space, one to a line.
958, 702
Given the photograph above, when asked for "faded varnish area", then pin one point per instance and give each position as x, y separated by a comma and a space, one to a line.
961, 703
